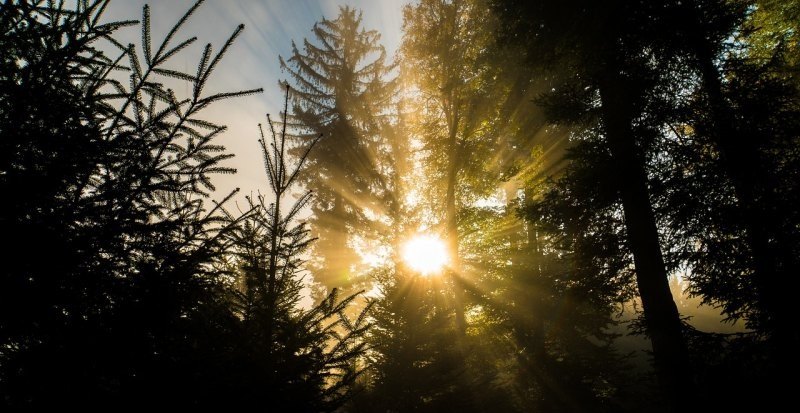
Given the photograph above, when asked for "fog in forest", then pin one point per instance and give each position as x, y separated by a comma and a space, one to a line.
399, 206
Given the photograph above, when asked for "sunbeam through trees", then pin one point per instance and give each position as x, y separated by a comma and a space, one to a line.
464, 205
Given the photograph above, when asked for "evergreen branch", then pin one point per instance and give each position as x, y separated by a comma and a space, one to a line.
268, 163
164, 57
219, 96
146, 34
135, 66
298, 206
224, 49
201, 67
175, 29
303, 159
174, 74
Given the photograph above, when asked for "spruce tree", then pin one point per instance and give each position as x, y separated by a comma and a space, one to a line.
743, 107
730, 166
415, 355
109, 291
344, 91
306, 357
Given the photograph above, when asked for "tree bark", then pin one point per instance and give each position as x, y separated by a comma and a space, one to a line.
661, 315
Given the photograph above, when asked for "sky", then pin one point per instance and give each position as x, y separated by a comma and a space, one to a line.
252, 62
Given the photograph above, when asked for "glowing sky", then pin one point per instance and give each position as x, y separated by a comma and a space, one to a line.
270, 27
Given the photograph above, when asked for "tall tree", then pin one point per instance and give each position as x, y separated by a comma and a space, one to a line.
424, 357
735, 105
750, 128
416, 363
344, 91
444, 54
606, 49
551, 291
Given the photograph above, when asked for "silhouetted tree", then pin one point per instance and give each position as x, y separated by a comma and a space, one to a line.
744, 108
547, 306
606, 49
416, 358
729, 166
109, 292
306, 358
631, 141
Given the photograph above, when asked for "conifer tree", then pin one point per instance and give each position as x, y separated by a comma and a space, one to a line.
735, 227
307, 358
424, 359
343, 90
415, 358
109, 290
744, 105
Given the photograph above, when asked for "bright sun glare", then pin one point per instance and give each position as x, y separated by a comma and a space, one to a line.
425, 253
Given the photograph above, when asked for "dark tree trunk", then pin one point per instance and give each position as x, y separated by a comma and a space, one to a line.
660, 312
338, 256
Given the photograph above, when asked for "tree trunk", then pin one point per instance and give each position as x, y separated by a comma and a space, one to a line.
332, 246
772, 259
661, 315
451, 223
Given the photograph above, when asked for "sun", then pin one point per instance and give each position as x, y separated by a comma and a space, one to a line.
425, 253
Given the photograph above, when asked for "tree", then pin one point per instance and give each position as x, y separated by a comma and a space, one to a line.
744, 107
606, 47
343, 91
444, 52
416, 363
109, 292
736, 104
425, 355
306, 358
